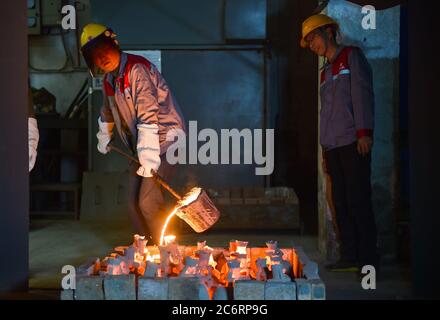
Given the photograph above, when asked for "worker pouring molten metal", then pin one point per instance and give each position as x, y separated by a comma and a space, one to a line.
138, 101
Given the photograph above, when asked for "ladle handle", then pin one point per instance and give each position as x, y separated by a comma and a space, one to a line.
155, 175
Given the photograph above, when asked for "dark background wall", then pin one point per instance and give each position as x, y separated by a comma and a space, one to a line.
423, 70
294, 86
13, 148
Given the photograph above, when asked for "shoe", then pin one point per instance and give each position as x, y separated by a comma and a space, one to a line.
343, 266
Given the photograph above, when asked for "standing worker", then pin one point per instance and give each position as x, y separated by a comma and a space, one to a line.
346, 136
138, 101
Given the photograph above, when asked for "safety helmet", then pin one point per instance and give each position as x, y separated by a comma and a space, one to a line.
314, 22
93, 36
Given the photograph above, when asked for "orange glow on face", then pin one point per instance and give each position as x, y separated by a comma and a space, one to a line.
106, 58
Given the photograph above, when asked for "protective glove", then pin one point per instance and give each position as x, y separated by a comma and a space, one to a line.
104, 135
34, 136
148, 149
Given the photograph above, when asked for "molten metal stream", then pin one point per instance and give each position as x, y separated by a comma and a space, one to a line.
190, 197
164, 228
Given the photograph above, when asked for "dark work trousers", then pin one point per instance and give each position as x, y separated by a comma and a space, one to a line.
146, 200
351, 183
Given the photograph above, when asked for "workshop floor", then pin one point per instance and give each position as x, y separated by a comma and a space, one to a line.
55, 243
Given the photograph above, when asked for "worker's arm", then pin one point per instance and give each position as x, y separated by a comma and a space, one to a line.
144, 94
33, 134
106, 122
362, 96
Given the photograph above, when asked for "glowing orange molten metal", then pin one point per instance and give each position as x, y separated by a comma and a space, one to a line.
189, 197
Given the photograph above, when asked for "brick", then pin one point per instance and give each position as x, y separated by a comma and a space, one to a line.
248, 290
223, 193
224, 201
248, 192
183, 288
236, 200
276, 290
236, 192
120, 287
263, 201
66, 295
292, 200
303, 289
318, 289
89, 288
250, 201
152, 288
277, 200
259, 192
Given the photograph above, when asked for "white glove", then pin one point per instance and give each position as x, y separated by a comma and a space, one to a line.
34, 136
104, 135
148, 149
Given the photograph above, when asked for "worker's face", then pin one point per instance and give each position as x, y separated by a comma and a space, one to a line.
317, 42
106, 57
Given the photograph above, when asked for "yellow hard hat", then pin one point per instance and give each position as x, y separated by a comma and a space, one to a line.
91, 31
314, 22
92, 36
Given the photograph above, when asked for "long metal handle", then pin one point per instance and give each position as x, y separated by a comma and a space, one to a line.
155, 175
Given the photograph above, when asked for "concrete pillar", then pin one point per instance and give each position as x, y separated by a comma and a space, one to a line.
14, 190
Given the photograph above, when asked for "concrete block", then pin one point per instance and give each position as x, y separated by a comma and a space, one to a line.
303, 289
318, 289
120, 287
220, 293
276, 290
310, 270
249, 290
183, 288
89, 268
66, 295
152, 288
204, 292
89, 288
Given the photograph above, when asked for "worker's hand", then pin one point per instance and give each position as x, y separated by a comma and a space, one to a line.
364, 145
144, 172
104, 135
148, 149
103, 145
32, 158
34, 136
